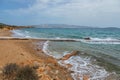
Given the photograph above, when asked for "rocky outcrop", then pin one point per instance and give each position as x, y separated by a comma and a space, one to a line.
87, 38
67, 56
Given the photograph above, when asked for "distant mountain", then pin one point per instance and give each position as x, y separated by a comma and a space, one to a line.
52, 26
58, 26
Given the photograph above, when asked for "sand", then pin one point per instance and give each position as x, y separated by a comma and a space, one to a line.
5, 33
26, 52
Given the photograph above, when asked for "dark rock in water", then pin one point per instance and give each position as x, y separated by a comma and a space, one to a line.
87, 38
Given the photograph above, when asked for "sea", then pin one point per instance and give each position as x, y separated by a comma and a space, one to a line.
99, 49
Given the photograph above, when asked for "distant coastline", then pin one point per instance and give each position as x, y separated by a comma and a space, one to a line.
2, 25
12, 27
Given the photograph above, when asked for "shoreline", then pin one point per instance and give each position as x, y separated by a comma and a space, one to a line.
26, 52
36, 56
5, 33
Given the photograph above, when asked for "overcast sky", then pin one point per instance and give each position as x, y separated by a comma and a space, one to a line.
102, 13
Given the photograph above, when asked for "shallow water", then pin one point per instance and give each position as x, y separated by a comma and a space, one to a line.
81, 64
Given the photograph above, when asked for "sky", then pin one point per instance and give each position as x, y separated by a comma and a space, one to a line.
96, 13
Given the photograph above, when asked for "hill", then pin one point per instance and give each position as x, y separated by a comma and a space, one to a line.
59, 26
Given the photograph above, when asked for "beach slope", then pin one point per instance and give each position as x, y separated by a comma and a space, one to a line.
25, 52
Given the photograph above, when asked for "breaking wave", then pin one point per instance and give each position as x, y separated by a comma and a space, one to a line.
80, 66
19, 33
102, 41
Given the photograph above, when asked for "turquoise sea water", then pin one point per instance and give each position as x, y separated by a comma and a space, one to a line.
76, 33
104, 45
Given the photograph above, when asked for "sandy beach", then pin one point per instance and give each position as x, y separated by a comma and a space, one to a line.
26, 52
5, 33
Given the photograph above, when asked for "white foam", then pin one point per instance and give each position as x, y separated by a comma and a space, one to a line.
83, 66
45, 48
26, 32
57, 38
102, 41
19, 33
53, 53
80, 66
92, 41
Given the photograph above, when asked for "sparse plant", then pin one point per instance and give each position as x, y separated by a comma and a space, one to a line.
26, 73
10, 70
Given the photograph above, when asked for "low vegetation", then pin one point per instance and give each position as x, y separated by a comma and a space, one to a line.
10, 70
14, 72
11, 27
26, 73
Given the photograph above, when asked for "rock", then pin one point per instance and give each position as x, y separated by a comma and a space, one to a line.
87, 38
1, 72
56, 72
35, 65
45, 77
22, 54
67, 56
1, 67
5, 29
68, 78
56, 78
40, 69
68, 65
48, 68
85, 77
38, 49
39, 75
72, 71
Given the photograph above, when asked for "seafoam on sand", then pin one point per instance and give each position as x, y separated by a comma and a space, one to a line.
81, 66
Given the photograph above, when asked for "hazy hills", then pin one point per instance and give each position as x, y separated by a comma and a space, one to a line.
64, 26
59, 26
52, 26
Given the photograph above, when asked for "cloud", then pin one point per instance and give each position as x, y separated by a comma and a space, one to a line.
74, 10
86, 7
18, 1
62, 7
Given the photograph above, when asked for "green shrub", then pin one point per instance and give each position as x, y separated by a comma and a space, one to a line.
26, 73
10, 69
